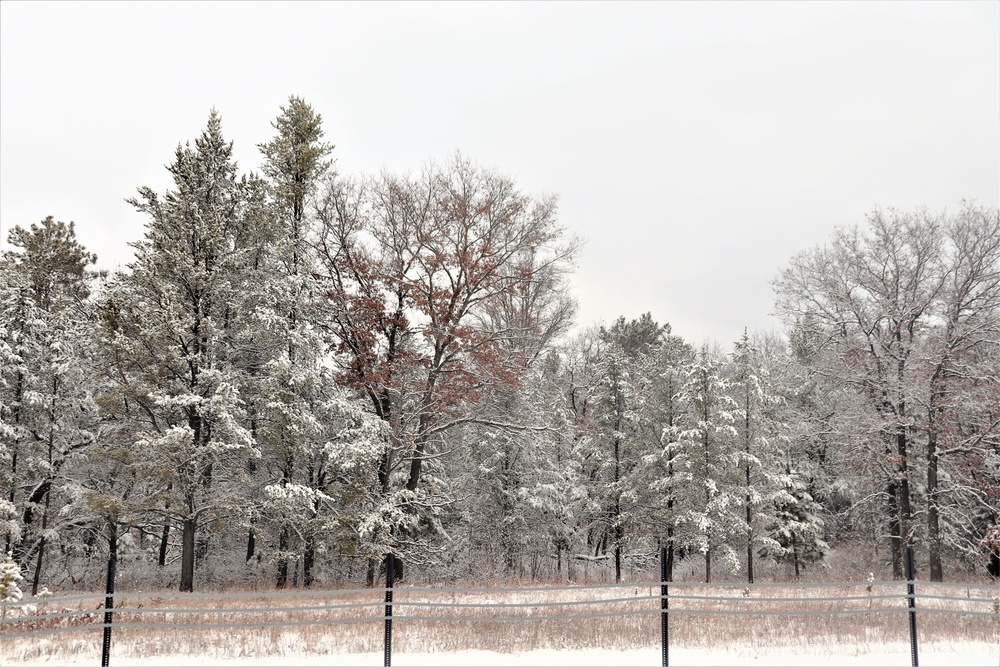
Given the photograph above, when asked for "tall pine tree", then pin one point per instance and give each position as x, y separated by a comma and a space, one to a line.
174, 323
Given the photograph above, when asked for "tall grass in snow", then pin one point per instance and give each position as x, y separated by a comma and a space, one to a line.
254, 624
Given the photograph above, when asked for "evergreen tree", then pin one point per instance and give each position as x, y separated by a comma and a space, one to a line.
656, 490
52, 260
295, 382
295, 162
703, 442
794, 528
758, 456
173, 324
48, 414
627, 349
10, 581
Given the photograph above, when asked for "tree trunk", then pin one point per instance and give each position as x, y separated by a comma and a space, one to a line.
41, 547
746, 470
708, 565
619, 531
749, 517
38, 564
424, 422
22, 552
895, 534
18, 392
749, 541
935, 417
187, 555
284, 537
308, 560
905, 513
282, 580
162, 558
251, 543
618, 557
619, 536
201, 549
933, 517
113, 540
670, 527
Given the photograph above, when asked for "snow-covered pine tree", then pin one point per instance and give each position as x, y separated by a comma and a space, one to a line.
710, 505
759, 433
173, 323
794, 526
516, 465
295, 162
520, 485
614, 439
295, 382
661, 475
50, 416
580, 385
557, 493
627, 347
20, 325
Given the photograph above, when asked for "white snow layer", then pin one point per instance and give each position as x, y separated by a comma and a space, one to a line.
970, 653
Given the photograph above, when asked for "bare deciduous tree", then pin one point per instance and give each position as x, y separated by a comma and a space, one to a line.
435, 285
905, 305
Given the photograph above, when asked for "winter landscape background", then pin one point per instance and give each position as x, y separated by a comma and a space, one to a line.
296, 369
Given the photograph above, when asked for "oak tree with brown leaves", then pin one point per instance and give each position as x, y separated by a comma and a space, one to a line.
439, 287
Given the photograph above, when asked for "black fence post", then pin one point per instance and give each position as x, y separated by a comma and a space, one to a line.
109, 600
912, 603
664, 604
390, 566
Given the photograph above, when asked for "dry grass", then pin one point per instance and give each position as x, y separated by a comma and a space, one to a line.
424, 629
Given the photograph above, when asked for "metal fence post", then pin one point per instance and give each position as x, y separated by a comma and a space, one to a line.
390, 566
109, 605
912, 603
664, 604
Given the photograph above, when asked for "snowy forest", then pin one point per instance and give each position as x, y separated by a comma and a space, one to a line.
304, 370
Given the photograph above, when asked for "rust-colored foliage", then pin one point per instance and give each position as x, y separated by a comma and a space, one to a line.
439, 289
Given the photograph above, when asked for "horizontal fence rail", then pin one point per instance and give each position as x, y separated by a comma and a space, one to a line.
11, 619
416, 617
169, 595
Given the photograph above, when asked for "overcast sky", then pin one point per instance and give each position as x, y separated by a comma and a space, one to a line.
695, 147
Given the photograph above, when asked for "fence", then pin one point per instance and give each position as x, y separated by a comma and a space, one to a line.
604, 613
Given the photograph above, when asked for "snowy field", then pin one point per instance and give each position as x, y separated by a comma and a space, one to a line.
970, 653
579, 626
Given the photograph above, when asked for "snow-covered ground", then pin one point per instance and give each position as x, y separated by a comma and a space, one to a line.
886, 655
461, 628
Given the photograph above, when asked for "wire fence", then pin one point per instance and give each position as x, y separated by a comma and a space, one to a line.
30, 619
631, 611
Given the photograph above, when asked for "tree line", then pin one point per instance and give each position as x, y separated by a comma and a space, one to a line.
302, 371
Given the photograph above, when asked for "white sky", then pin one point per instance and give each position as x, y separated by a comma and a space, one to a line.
695, 147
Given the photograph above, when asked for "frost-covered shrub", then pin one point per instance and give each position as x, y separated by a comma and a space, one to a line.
10, 580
